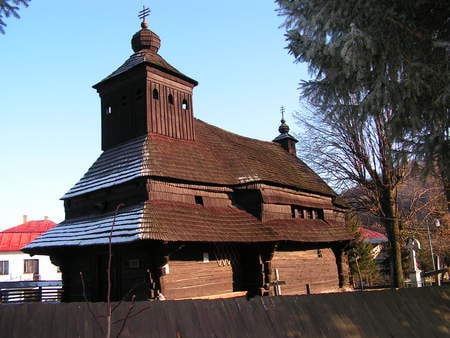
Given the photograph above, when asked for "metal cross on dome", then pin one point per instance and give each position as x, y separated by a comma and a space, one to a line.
282, 113
144, 13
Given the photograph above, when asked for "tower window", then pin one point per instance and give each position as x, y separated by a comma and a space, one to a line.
108, 110
138, 94
184, 105
155, 94
170, 98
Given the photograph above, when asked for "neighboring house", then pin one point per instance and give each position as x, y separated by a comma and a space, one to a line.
380, 244
18, 266
378, 240
191, 210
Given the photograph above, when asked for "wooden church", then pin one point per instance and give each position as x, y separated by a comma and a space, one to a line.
191, 210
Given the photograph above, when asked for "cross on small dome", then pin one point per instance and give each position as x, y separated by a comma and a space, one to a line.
284, 128
143, 14
145, 39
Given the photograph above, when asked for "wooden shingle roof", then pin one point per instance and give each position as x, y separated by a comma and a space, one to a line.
171, 221
216, 157
93, 230
146, 58
182, 222
309, 230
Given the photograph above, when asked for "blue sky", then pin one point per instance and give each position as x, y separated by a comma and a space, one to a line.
52, 55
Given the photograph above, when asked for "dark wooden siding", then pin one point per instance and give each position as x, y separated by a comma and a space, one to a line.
299, 268
127, 100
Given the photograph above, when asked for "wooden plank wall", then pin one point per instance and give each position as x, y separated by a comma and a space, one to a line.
188, 279
186, 194
299, 268
167, 118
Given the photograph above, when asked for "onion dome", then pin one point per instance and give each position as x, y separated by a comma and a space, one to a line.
284, 128
145, 39
286, 140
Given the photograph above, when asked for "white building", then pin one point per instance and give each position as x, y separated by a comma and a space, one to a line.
18, 266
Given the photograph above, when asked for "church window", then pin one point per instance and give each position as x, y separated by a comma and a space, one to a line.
184, 105
306, 213
155, 94
108, 110
170, 98
199, 200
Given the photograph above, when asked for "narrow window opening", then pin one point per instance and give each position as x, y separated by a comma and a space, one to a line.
320, 214
184, 105
319, 253
170, 98
306, 213
155, 94
199, 200
138, 94
108, 110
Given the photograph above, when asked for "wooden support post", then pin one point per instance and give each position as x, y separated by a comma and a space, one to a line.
277, 283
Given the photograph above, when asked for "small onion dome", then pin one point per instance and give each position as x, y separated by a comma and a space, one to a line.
145, 39
284, 128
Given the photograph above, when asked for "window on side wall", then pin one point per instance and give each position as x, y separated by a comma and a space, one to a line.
306, 213
31, 266
4, 267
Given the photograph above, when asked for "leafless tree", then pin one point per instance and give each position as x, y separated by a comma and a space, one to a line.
357, 150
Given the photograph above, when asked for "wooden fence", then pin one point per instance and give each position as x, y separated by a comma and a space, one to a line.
30, 291
412, 312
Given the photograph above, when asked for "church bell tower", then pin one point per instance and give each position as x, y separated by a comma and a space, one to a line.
145, 95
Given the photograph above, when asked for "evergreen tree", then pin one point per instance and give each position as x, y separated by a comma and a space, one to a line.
8, 8
379, 59
362, 262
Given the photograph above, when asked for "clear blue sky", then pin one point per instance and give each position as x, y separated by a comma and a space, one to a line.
52, 55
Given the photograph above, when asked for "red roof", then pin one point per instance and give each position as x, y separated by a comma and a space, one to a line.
15, 238
373, 237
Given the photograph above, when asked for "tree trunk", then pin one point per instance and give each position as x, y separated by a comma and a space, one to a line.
392, 224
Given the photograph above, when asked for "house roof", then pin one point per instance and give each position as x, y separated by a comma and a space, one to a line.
373, 237
182, 222
216, 157
15, 238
